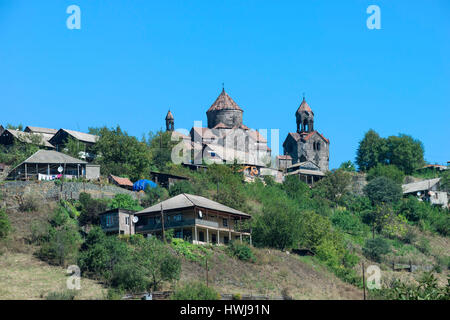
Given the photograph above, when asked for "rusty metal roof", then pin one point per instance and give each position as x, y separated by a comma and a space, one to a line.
224, 102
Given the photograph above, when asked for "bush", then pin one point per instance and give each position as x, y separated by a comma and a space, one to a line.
63, 295
195, 291
383, 190
388, 171
114, 294
347, 222
5, 225
125, 201
91, 208
374, 248
181, 187
29, 203
241, 251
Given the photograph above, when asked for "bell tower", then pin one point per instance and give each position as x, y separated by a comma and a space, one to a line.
170, 122
304, 117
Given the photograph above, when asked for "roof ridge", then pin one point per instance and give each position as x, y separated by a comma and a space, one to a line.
184, 194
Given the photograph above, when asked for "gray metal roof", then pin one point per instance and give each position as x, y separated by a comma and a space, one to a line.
27, 137
51, 156
185, 200
40, 130
420, 186
85, 137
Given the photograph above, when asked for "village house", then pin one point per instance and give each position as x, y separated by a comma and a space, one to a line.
166, 180
194, 218
427, 190
121, 182
307, 171
118, 221
50, 165
10, 137
86, 141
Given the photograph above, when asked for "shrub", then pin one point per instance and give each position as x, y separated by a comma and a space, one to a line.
195, 291
236, 296
29, 203
181, 187
5, 225
241, 251
125, 201
383, 190
114, 294
63, 295
424, 246
90, 209
388, 171
128, 276
347, 222
62, 245
374, 248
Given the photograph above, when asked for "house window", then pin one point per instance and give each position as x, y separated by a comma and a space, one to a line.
177, 217
213, 154
127, 221
225, 222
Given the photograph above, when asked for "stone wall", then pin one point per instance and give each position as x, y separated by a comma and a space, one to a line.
50, 191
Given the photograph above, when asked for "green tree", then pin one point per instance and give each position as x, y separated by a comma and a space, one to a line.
5, 225
60, 246
277, 226
374, 249
405, 152
181, 187
335, 185
121, 154
388, 171
74, 147
383, 190
156, 261
100, 254
348, 166
91, 208
371, 151
125, 201
161, 146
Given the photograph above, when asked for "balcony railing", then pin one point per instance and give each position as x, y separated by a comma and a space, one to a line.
174, 224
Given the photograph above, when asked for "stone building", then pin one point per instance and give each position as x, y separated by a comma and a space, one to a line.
170, 121
307, 144
226, 132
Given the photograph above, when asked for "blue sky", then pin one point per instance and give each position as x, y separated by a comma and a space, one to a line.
132, 60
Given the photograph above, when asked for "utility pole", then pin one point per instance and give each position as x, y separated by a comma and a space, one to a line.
162, 224
207, 278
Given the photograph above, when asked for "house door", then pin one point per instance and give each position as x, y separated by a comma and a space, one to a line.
201, 236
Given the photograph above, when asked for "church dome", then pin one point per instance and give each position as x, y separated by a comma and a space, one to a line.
225, 111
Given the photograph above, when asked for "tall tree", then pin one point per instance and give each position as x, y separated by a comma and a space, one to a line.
405, 152
121, 154
371, 151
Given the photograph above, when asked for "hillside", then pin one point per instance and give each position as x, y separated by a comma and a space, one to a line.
24, 276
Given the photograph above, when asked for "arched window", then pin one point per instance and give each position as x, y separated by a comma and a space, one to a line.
318, 146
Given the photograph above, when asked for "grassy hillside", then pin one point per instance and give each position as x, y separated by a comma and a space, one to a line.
273, 273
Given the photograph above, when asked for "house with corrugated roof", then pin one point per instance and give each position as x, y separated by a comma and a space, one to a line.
86, 141
10, 137
194, 218
427, 190
51, 165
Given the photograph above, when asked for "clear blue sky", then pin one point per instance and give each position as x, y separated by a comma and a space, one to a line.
132, 60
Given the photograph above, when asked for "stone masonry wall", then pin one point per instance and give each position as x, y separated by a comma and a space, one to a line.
48, 190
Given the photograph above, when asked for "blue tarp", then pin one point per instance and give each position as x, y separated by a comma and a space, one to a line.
142, 185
